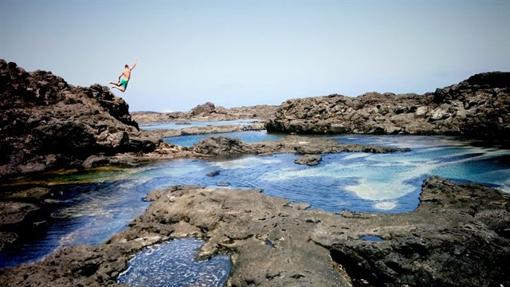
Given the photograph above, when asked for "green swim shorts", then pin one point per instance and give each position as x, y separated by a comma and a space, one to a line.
124, 82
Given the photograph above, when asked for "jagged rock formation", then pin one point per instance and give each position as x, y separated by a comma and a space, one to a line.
476, 107
227, 147
458, 236
47, 123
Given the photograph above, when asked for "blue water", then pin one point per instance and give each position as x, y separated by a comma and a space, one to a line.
177, 125
388, 183
174, 263
373, 238
246, 136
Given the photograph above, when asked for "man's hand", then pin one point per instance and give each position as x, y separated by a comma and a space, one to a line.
134, 65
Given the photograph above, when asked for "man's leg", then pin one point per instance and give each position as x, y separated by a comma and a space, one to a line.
120, 88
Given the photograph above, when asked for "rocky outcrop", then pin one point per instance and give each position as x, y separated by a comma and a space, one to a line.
209, 112
309, 159
205, 109
458, 236
477, 107
46, 123
204, 130
227, 147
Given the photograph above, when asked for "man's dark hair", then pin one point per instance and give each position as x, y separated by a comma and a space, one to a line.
126, 66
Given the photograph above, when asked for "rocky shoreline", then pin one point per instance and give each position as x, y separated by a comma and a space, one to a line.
458, 236
478, 107
208, 112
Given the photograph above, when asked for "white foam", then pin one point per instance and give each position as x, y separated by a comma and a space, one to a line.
386, 176
385, 205
245, 162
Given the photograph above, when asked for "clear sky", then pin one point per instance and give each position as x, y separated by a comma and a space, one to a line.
245, 52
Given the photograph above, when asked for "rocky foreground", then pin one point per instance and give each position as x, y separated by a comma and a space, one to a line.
209, 112
477, 107
46, 123
458, 236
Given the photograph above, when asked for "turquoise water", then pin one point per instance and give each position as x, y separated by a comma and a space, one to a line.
177, 125
174, 263
247, 136
388, 183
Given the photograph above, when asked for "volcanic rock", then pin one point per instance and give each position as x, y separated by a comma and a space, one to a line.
449, 240
309, 159
47, 123
477, 107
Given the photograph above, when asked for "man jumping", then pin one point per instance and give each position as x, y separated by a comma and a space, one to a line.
122, 83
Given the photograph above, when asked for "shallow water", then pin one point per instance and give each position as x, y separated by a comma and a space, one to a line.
91, 213
174, 263
177, 125
247, 136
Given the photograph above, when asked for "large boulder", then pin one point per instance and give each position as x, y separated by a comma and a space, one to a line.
47, 123
221, 146
204, 109
477, 107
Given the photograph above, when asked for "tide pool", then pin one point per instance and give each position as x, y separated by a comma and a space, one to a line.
90, 213
174, 263
246, 136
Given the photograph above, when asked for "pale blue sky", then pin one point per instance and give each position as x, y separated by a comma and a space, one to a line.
245, 52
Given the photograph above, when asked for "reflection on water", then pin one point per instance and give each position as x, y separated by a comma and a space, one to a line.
176, 125
246, 136
174, 263
91, 213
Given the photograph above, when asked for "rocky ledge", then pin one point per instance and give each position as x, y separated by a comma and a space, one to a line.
458, 236
209, 112
227, 147
46, 123
210, 129
477, 107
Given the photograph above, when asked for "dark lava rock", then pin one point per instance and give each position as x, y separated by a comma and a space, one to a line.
214, 173
46, 123
309, 159
228, 147
478, 107
14, 213
221, 146
448, 241
453, 247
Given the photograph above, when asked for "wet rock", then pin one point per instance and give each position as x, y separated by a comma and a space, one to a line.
15, 213
29, 194
221, 146
214, 173
226, 147
309, 159
471, 108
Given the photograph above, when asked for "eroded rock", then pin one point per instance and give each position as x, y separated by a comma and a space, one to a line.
47, 123
477, 107
447, 241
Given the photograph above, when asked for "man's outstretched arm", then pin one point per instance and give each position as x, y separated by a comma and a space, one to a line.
133, 66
